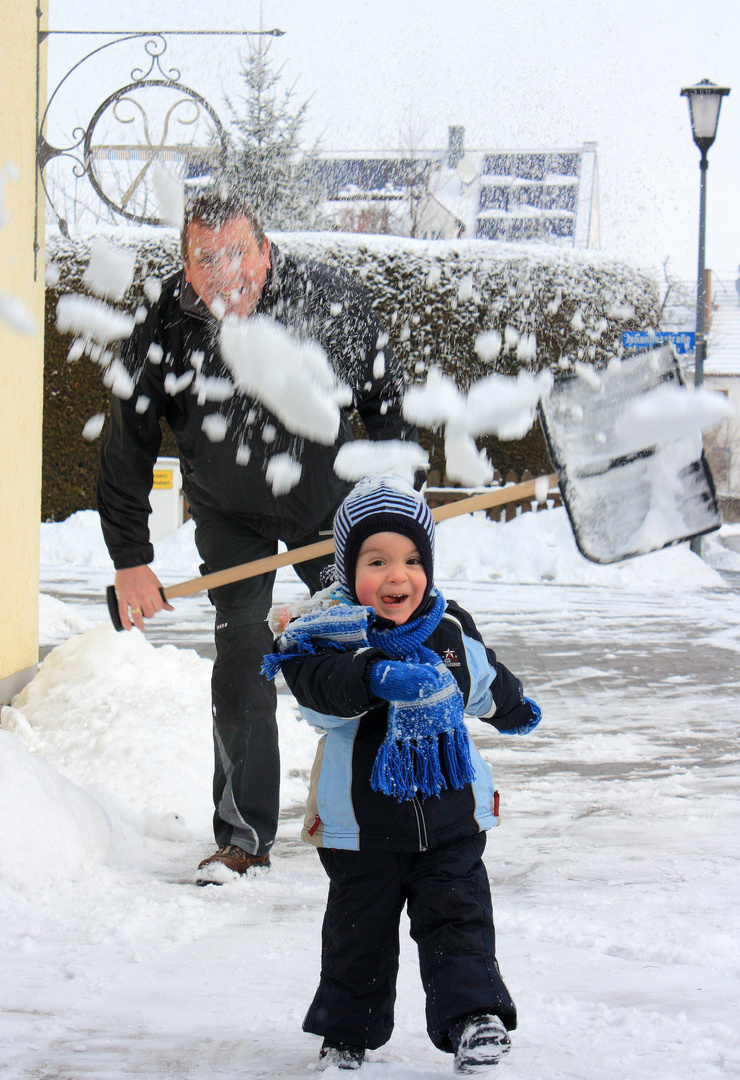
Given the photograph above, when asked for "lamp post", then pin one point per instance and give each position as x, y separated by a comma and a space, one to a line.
705, 100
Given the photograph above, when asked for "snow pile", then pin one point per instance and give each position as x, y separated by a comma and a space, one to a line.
76, 830
539, 547
170, 701
533, 547
77, 541
129, 723
722, 550
177, 554
59, 621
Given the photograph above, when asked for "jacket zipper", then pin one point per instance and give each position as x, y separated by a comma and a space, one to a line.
420, 825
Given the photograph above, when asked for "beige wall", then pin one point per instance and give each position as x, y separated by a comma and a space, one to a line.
21, 354
722, 444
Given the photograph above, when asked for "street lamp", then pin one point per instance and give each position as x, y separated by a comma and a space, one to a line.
705, 100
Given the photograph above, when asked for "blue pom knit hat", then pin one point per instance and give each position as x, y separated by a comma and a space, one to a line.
383, 503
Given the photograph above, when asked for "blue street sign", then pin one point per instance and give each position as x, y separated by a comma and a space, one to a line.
683, 342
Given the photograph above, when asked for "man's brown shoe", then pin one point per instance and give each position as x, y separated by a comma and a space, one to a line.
226, 863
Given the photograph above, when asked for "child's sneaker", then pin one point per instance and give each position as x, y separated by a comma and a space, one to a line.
342, 1055
479, 1042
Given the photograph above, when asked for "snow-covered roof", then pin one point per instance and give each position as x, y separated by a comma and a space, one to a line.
723, 339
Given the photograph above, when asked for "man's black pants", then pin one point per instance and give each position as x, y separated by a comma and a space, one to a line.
448, 898
246, 778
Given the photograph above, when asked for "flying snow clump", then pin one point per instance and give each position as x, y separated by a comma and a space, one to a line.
109, 271
15, 313
667, 413
93, 427
215, 426
283, 473
119, 381
152, 289
291, 377
488, 345
89, 318
170, 196
500, 405
365, 458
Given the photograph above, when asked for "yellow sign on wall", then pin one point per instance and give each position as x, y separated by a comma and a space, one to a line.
162, 479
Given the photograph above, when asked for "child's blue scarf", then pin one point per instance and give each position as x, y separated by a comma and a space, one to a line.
408, 761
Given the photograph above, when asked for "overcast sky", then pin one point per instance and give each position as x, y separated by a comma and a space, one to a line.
531, 74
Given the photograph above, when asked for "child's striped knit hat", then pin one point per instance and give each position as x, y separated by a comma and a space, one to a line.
383, 503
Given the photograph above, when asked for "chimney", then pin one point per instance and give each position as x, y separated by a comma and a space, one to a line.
456, 145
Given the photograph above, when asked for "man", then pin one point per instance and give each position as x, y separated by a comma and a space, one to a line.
231, 268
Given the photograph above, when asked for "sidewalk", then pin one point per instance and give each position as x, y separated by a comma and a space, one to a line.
615, 872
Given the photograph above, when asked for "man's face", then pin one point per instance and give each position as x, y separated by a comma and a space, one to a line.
226, 266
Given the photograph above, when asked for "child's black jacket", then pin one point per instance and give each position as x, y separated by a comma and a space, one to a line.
343, 810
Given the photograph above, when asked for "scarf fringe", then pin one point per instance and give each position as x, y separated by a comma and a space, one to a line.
456, 746
404, 769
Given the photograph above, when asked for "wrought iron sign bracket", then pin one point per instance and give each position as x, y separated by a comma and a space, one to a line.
178, 108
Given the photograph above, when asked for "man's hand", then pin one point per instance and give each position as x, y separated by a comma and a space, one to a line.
137, 589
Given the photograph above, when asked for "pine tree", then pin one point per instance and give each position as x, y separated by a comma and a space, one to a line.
267, 155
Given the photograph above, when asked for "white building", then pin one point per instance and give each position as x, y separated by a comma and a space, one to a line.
722, 373
547, 196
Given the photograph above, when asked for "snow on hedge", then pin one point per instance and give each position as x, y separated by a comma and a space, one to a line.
475, 315
471, 307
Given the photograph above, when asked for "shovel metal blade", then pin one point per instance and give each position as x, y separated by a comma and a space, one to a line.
631, 480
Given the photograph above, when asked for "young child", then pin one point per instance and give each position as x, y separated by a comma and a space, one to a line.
400, 798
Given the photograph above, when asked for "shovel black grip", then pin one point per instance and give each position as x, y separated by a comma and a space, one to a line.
111, 597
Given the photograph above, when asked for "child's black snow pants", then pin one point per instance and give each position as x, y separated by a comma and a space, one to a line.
448, 898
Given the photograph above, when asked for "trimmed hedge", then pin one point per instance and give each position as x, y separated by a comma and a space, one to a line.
435, 297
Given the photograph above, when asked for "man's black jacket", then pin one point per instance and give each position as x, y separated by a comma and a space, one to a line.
179, 375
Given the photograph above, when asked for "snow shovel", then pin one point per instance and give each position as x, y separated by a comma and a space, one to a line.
529, 489
631, 482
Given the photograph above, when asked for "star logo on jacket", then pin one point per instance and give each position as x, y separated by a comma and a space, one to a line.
449, 657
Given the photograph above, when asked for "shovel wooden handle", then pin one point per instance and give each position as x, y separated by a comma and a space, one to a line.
496, 497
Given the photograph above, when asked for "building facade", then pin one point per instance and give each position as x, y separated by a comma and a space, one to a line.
21, 351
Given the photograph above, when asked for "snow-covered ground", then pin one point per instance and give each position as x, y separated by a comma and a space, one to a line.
615, 873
